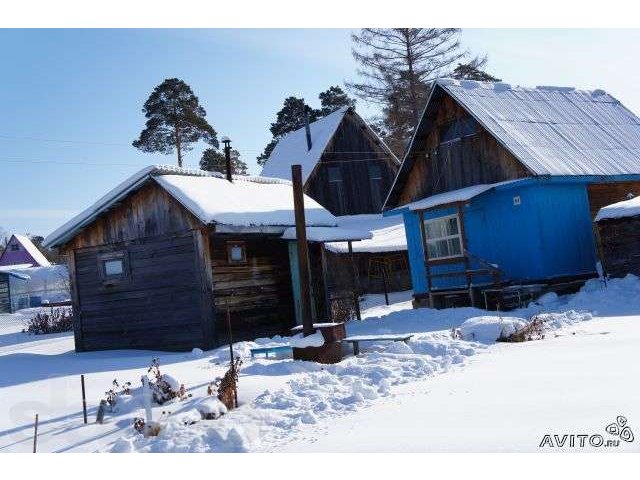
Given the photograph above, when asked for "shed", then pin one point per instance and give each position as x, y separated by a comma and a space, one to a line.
500, 185
156, 262
346, 168
618, 227
349, 170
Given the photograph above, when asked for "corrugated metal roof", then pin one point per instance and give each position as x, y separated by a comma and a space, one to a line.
555, 130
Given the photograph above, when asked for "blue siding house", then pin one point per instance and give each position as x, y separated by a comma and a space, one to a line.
500, 185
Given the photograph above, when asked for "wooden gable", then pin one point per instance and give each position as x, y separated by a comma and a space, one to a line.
434, 165
355, 171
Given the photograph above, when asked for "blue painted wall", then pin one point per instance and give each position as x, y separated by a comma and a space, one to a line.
549, 234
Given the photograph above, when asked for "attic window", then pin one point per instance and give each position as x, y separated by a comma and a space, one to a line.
457, 129
15, 247
236, 252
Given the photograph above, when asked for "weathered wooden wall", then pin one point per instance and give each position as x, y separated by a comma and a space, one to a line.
620, 246
353, 148
166, 301
603, 194
158, 305
258, 291
475, 159
148, 212
340, 272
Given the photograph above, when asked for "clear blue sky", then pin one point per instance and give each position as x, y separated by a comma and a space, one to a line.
89, 86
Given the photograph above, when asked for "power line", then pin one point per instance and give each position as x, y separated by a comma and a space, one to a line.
57, 140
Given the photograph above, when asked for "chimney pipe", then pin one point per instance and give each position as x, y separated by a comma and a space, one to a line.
227, 157
307, 128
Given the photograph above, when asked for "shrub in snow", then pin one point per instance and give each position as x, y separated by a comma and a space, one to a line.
226, 387
488, 329
532, 330
164, 387
56, 321
111, 395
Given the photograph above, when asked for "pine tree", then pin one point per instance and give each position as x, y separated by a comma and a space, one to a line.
334, 98
213, 160
175, 120
473, 70
398, 66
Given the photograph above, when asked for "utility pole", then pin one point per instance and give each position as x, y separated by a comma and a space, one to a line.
303, 250
227, 156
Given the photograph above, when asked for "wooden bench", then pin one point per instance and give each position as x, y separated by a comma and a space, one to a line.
268, 350
355, 340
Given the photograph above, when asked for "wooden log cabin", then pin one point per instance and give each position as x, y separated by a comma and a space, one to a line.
348, 170
500, 185
156, 262
618, 233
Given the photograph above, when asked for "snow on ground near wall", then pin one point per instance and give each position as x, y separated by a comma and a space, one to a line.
287, 404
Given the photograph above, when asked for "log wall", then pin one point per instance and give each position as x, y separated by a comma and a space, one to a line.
619, 245
258, 291
475, 159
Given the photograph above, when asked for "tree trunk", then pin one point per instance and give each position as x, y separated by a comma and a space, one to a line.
178, 145
412, 83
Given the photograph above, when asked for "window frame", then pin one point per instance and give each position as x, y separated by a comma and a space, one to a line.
231, 244
459, 124
15, 247
458, 236
113, 279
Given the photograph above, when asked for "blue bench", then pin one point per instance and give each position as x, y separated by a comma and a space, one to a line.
268, 350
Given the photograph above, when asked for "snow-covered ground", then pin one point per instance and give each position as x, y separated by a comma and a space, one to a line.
439, 392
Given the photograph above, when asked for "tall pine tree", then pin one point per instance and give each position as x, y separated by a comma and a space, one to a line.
213, 160
397, 66
175, 121
474, 70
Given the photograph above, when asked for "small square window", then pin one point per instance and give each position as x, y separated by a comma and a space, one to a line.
236, 252
113, 267
15, 247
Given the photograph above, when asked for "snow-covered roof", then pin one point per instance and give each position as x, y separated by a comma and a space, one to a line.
328, 234
626, 208
292, 148
241, 203
555, 130
455, 196
247, 201
387, 234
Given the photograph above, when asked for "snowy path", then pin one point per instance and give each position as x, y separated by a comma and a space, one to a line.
506, 399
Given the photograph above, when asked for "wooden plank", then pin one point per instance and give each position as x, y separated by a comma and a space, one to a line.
75, 299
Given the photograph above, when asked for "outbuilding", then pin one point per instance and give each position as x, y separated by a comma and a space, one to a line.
157, 262
500, 185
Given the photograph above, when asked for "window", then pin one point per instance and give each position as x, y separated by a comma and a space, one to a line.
443, 237
375, 181
336, 189
15, 247
236, 252
114, 267
457, 129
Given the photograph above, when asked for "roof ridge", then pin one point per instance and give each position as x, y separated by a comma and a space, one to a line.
509, 86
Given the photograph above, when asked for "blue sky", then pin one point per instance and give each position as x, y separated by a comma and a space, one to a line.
87, 87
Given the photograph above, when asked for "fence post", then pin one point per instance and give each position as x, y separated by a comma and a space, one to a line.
84, 400
385, 285
35, 435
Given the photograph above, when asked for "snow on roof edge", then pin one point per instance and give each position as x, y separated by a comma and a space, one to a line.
623, 209
86, 216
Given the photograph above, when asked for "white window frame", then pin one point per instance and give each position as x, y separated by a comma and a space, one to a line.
446, 237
